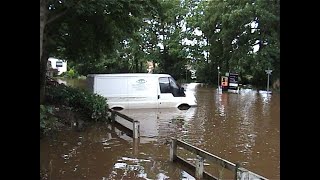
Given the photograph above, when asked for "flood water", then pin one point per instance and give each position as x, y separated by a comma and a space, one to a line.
242, 127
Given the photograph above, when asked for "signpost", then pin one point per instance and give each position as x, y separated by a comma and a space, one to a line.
218, 78
187, 67
269, 73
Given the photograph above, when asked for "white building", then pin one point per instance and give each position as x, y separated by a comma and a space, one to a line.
60, 65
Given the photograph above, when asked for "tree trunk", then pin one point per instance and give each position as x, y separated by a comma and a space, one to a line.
43, 20
43, 71
141, 67
208, 51
225, 55
136, 63
154, 67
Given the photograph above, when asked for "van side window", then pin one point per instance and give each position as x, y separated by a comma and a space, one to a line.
173, 84
169, 85
175, 89
164, 85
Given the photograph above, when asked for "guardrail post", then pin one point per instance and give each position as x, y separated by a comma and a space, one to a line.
236, 171
136, 129
199, 167
173, 150
135, 148
113, 116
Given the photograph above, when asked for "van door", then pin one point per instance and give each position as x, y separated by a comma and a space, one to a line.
114, 89
170, 95
142, 92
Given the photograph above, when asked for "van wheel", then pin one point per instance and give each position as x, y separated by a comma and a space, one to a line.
183, 107
117, 108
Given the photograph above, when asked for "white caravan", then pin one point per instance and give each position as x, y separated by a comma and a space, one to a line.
140, 90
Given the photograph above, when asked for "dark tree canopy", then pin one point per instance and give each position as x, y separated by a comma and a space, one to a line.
110, 36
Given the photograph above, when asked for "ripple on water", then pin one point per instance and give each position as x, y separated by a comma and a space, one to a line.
247, 132
125, 165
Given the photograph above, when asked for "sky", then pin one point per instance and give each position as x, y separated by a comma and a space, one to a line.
198, 32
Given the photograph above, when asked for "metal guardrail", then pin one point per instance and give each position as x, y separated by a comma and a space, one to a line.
239, 172
135, 124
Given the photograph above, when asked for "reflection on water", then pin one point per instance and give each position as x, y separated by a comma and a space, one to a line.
157, 124
78, 83
127, 165
242, 127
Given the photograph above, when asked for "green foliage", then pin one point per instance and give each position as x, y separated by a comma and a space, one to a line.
47, 120
71, 73
89, 30
233, 28
93, 106
112, 36
172, 58
206, 74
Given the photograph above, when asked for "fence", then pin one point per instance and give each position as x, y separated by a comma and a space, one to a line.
135, 124
239, 172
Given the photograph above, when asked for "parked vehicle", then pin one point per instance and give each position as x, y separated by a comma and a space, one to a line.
140, 90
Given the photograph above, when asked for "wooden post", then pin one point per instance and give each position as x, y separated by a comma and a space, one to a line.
173, 150
113, 116
136, 129
236, 171
113, 128
199, 167
135, 148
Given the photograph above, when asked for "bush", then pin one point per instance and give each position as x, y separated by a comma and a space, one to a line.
93, 106
47, 120
71, 73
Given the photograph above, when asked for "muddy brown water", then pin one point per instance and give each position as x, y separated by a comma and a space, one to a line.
242, 127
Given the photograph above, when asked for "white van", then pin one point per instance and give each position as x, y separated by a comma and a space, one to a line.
140, 90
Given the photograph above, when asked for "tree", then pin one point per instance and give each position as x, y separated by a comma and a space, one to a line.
234, 28
82, 31
198, 49
169, 26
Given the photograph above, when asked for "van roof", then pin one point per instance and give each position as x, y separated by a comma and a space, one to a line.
130, 74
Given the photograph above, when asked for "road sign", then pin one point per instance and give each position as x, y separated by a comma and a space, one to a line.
268, 71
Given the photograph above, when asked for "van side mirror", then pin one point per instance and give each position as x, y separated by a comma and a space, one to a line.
182, 92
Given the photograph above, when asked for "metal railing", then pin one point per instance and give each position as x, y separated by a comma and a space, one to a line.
135, 124
239, 172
